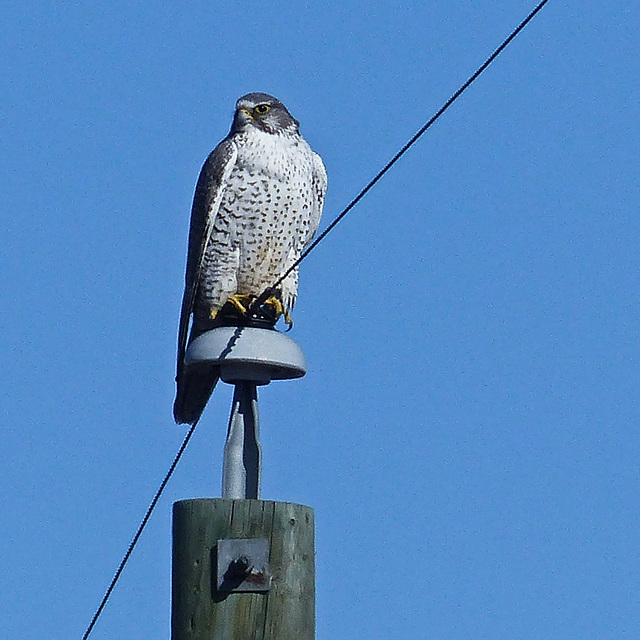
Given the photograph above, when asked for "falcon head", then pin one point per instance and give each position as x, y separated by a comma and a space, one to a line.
263, 112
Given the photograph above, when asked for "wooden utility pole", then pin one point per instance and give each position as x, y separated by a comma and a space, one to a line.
243, 568
201, 611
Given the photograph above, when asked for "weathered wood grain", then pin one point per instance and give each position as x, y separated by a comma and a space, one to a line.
286, 612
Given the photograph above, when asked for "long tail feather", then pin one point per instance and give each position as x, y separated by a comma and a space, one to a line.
194, 389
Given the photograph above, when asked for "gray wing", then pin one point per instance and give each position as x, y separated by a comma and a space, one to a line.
206, 203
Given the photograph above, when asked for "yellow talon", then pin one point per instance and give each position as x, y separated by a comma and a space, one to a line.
275, 304
279, 309
213, 314
239, 300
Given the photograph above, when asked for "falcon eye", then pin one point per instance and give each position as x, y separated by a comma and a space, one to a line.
262, 109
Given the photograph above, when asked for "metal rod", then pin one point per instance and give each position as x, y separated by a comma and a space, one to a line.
242, 453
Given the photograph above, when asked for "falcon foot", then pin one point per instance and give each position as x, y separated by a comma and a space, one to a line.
241, 302
236, 304
235, 312
278, 308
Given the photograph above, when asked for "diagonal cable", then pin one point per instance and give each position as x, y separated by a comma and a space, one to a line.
271, 290
136, 537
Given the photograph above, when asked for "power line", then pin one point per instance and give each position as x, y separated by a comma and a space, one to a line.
270, 291
143, 524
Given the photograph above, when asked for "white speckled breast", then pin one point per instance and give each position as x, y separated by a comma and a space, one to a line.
265, 220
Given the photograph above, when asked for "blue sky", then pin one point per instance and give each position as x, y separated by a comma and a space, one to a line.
467, 432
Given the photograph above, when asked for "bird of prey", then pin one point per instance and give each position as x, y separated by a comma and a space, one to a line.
257, 205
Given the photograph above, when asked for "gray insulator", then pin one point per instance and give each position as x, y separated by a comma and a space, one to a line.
245, 357
247, 353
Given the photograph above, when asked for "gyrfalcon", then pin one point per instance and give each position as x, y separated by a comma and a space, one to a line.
257, 205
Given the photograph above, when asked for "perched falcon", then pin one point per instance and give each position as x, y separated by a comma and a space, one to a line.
256, 207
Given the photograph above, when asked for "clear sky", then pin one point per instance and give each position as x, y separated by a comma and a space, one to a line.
468, 430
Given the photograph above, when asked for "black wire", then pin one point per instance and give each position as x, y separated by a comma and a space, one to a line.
271, 290
143, 524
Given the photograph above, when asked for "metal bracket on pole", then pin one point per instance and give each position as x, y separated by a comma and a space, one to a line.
243, 565
245, 357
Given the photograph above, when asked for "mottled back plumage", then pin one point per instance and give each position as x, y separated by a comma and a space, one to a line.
256, 207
